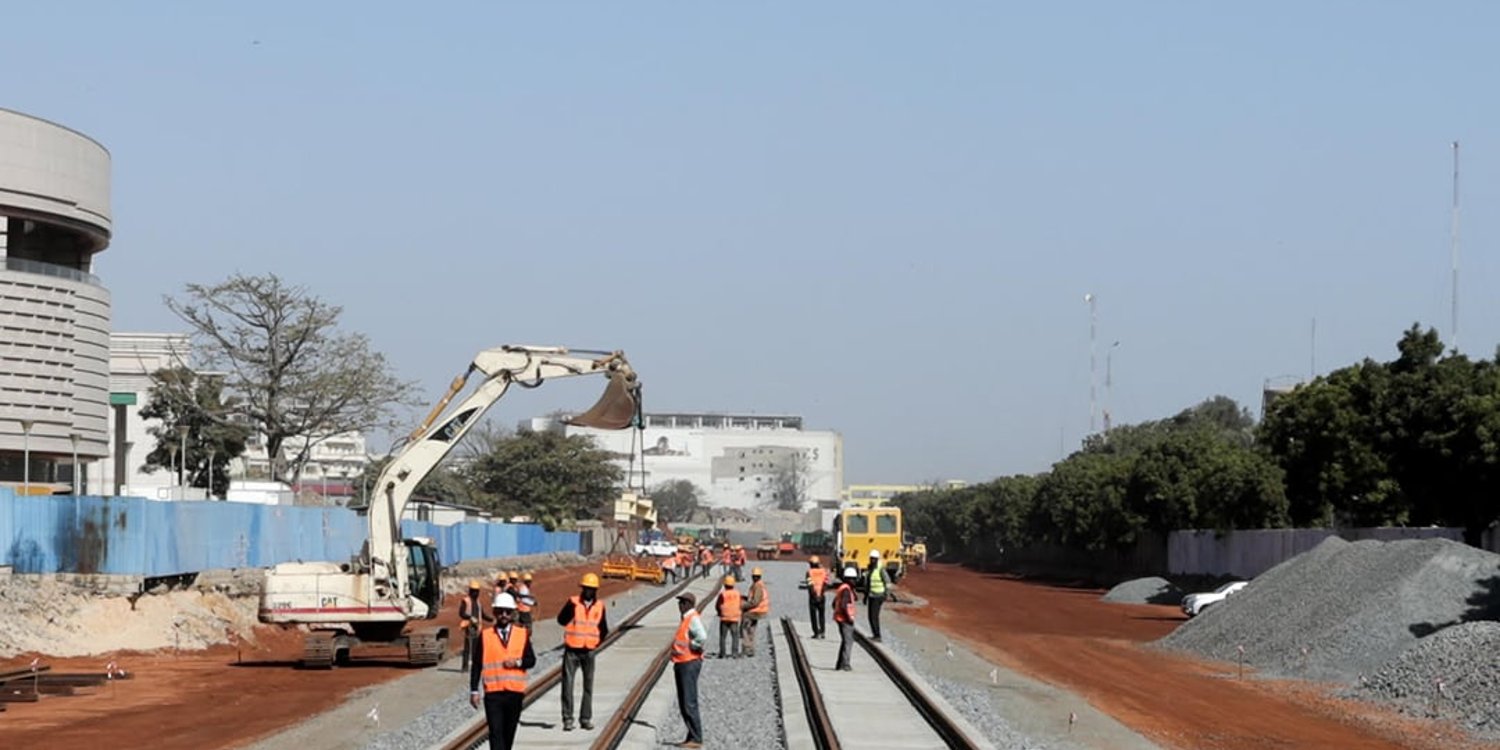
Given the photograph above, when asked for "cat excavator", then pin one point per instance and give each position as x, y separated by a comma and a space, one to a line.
379, 596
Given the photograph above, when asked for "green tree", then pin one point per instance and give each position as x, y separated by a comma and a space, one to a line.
676, 500
444, 483
183, 400
302, 380
546, 475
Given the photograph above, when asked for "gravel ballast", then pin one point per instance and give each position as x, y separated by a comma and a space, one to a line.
1342, 609
1151, 590
1453, 674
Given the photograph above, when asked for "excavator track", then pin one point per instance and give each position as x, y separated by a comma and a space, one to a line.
319, 650
425, 648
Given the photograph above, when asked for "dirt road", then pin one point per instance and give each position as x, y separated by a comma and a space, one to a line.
1068, 637
221, 697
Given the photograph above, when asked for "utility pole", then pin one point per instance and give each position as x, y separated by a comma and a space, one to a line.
1453, 335
1093, 360
1109, 385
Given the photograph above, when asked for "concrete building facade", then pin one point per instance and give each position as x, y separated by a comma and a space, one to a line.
133, 357
54, 312
736, 460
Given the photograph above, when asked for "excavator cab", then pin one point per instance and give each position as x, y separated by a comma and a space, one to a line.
425, 572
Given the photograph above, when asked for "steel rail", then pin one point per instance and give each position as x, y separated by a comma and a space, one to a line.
618, 726
936, 717
824, 738
476, 733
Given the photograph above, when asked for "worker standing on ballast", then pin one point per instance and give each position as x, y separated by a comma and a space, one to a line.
817, 599
688, 645
877, 586
471, 619
498, 674
843, 616
729, 606
756, 609
585, 624
525, 601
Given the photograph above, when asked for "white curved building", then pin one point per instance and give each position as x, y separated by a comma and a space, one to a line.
54, 313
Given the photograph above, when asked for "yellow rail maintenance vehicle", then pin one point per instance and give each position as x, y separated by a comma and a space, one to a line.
858, 530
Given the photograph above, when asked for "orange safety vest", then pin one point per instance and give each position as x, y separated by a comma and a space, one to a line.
521, 594
817, 578
739, 557
495, 677
467, 610
705, 556
583, 631
727, 555
765, 598
843, 604
682, 650
669, 562
729, 605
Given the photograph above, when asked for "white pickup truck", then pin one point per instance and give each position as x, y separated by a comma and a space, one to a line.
1193, 604
656, 548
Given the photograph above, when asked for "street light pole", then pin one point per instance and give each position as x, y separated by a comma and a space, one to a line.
74, 439
182, 430
1109, 384
26, 425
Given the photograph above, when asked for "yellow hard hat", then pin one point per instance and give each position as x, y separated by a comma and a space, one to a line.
813, 560
755, 572
513, 575
475, 585
526, 576
728, 580
589, 580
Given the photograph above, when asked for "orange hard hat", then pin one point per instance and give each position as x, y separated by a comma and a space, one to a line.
813, 560
728, 580
589, 580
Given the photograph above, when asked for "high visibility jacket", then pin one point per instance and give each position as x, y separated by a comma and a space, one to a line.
467, 612
843, 604
669, 562
727, 556
583, 631
495, 677
729, 605
682, 650
523, 598
817, 578
764, 605
877, 581
739, 557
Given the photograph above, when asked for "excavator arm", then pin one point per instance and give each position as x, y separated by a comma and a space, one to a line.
440, 432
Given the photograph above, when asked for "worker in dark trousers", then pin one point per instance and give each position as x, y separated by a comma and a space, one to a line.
687, 663
817, 596
471, 618
877, 586
729, 607
585, 625
843, 616
498, 675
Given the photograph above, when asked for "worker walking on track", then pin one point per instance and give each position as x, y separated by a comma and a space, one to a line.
585, 625
728, 607
705, 561
498, 675
843, 616
817, 582
876, 588
471, 619
756, 608
687, 663
525, 601
737, 561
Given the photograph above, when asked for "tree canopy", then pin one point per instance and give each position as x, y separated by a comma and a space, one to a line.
182, 400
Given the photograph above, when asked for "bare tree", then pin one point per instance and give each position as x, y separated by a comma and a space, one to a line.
790, 483
283, 355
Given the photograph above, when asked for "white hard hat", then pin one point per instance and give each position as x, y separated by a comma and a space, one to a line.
851, 572
504, 601
874, 554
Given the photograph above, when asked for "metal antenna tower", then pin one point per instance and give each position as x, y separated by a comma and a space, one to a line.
1093, 359
1453, 335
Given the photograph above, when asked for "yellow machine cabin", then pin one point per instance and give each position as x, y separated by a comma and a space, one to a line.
859, 530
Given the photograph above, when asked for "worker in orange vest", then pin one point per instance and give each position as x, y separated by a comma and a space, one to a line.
585, 625
669, 567
687, 663
726, 561
705, 560
843, 616
756, 608
525, 601
471, 619
817, 600
729, 608
498, 675
739, 561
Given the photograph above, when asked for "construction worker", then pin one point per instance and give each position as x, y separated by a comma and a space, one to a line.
877, 585
498, 675
843, 616
756, 608
729, 608
726, 560
525, 601
471, 619
817, 582
738, 561
705, 560
585, 624
687, 663
669, 567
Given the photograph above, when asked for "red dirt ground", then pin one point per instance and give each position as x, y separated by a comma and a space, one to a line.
1070, 638
221, 697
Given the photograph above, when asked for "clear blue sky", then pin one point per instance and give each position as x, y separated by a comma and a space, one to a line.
881, 216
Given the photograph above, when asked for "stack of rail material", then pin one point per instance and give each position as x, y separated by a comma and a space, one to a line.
1342, 610
1151, 590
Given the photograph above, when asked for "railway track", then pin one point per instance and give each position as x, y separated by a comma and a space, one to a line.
849, 709
474, 735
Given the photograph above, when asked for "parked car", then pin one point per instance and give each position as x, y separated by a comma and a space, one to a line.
1193, 604
656, 548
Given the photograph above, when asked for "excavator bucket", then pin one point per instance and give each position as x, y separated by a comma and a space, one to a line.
619, 405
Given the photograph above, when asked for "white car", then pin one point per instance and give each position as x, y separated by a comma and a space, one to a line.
656, 548
1193, 604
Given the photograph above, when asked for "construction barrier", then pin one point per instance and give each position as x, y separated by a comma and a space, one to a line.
136, 536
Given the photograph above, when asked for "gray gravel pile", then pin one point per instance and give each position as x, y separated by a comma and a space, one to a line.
1151, 590
1453, 674
454, 709
738, 699
1343, 609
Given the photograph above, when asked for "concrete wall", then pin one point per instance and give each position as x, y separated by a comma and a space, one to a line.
136, 536
1249, 552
